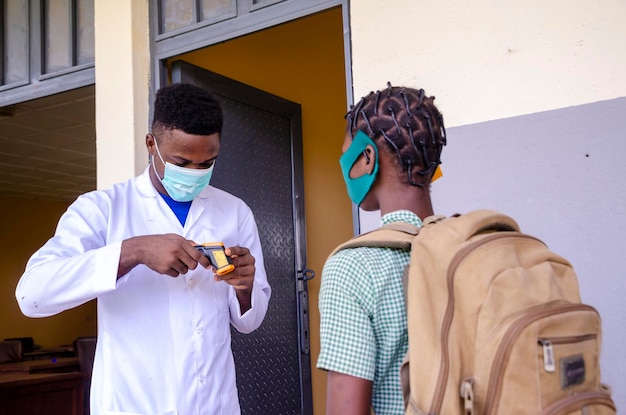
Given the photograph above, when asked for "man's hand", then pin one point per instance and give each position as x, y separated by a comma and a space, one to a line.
242, 277
168, 254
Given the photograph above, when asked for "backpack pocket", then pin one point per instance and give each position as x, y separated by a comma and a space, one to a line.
543, 355
570, 363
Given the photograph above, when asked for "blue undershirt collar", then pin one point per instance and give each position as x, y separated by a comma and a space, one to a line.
180, 209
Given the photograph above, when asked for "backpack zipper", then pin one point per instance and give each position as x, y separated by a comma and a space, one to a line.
549, 364
494, 388
442, 378
579, 401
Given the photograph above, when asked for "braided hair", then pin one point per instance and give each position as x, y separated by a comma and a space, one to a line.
409, 124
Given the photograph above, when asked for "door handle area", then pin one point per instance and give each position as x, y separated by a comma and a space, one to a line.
306, 274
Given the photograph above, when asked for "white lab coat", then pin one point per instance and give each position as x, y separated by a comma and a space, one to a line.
163, 343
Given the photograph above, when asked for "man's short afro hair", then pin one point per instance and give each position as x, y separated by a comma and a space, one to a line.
188, 108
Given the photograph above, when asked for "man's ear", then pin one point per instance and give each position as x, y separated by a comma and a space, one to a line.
149, 142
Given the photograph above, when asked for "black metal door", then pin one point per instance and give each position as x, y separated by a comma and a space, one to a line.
260, 161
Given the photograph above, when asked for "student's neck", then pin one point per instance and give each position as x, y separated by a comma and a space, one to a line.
417, 201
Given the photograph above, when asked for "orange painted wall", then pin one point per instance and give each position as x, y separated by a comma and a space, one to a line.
303, 61
26, 225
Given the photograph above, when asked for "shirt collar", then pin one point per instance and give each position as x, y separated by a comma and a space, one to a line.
401, 216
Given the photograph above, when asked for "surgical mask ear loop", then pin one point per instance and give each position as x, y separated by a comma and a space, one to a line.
156, 145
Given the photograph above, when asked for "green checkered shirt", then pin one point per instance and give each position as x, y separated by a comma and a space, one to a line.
363, 329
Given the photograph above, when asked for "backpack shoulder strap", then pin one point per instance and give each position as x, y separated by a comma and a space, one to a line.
396, 235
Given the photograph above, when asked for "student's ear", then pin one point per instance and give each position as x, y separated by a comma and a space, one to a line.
365, 163
370, 158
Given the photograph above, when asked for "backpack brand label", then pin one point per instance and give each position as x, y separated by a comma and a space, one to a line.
572, 371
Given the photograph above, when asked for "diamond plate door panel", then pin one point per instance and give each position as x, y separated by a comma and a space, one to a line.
267, 360
259, 161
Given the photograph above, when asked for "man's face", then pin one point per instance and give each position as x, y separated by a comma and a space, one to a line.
181, 149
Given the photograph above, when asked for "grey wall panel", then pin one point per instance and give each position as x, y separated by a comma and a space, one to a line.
562, 175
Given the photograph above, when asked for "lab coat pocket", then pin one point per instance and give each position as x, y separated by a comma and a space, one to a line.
230, 403
221, 291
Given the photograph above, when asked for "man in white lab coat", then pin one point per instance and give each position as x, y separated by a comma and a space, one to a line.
164, 316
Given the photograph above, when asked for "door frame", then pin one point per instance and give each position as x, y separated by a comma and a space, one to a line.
162, 48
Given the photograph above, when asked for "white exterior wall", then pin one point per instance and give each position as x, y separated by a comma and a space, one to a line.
122, 88
534, 97
490, 59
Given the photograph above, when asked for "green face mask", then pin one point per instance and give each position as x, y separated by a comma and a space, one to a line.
360, 186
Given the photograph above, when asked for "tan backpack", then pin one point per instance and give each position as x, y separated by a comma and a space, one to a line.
495, 321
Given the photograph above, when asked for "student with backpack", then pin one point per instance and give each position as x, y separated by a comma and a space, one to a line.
453, 315
391, 151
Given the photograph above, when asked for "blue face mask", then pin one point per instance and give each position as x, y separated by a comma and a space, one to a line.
183, 184
360, 186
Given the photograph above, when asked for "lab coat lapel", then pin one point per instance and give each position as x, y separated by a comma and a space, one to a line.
157, 213
198, 206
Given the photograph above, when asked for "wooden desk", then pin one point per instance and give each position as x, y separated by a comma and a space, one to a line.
50, 353
41, 393
61, 364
